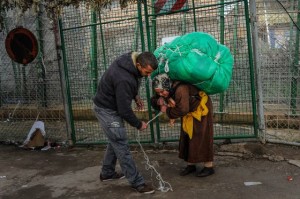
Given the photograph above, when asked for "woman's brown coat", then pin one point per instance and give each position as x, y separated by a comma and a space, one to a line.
200, 147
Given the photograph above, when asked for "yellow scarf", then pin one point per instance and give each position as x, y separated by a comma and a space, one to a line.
202, 110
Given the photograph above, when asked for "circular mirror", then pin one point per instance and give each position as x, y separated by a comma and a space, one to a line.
21, 45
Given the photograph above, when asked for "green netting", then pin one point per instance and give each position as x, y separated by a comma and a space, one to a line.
196, 58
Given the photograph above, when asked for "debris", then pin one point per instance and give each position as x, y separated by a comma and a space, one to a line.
2, 177
252, 183
36, 136
46, 148
295, 162
274, 158
289, 178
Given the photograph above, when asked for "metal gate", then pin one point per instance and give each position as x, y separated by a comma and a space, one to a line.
91, 40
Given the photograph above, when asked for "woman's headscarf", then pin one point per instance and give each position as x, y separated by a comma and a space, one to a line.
162, 81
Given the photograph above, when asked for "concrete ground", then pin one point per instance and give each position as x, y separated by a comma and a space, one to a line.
74, 173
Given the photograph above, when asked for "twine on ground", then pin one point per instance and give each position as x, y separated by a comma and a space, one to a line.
164, 186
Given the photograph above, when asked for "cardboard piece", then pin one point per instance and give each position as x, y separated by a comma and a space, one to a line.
36, 136
36, 140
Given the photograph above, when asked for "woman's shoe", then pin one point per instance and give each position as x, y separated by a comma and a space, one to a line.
188, 169
206, 171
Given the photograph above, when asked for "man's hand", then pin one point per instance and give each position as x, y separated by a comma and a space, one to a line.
144, 126
139, 103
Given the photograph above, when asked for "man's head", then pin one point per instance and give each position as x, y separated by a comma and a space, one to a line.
146, 63
162, 84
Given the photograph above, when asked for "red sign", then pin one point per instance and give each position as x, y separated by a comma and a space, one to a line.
164, 6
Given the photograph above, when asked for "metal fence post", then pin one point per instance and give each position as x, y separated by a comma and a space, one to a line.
67, 100
257, 66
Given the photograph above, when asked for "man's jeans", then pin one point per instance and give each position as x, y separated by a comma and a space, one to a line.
117, 147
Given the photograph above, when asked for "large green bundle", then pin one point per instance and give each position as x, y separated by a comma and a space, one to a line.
196, 58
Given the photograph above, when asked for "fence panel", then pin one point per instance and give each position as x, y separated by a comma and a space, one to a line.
33, 91
119, 30
278, 32
234, 114
92, 40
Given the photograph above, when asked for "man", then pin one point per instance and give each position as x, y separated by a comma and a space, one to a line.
116, 90
194, 107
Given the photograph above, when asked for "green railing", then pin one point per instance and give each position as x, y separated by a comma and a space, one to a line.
58, 86
119, 30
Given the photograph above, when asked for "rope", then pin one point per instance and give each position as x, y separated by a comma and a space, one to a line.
11, 115
37, 117
160, 113
164, 186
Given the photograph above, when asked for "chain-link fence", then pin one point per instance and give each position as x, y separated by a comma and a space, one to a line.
31, 92
233, 110
141, 27
92, 40
278, 44
59, 91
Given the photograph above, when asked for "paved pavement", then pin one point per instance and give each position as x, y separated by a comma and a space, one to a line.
271, 170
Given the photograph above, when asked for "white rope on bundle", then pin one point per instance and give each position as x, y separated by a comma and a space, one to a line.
164, 186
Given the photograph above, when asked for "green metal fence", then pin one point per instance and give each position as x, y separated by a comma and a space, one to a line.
92, 40
58, 86
227, 22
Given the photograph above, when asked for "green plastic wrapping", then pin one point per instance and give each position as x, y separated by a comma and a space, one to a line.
196, 58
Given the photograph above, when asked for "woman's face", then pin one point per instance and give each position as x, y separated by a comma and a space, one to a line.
162, 92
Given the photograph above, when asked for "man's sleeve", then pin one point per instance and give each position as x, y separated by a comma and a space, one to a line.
124, 96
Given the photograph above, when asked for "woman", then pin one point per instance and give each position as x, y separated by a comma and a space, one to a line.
185, 101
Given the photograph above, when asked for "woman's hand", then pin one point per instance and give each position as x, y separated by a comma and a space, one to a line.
163, 108
171, 103
172, 123
160, 101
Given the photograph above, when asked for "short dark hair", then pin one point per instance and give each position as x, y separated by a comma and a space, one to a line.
147, 58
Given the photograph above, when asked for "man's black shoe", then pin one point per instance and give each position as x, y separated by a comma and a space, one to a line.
115, 176
144, 189
206, 171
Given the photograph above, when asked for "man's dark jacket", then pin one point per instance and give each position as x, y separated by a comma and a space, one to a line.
118, 87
